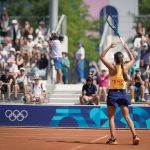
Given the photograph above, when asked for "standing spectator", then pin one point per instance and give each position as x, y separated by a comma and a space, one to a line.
4, 20
80, 56
89, 93
65, 67
103, 82
15, 31
27, 29
56, 52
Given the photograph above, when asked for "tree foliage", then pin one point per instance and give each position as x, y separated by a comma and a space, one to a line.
144, 7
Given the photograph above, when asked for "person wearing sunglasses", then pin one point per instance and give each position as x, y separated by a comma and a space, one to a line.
89, 93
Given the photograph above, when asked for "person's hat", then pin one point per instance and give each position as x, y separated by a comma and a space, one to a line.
10, 60
12, 49
14, 21
80, 42
30, 36
22, 68
36, 77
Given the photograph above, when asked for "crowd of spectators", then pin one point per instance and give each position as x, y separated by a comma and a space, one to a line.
25, 51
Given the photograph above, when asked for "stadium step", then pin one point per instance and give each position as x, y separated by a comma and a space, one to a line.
66, 94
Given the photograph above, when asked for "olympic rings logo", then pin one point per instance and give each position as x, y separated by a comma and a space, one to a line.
16, 115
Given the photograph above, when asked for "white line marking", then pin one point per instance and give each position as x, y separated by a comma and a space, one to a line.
36, 134
93, 141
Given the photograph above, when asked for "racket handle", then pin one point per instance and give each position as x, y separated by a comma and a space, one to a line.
122, 41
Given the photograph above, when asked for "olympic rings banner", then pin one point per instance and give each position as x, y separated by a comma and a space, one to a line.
69, 116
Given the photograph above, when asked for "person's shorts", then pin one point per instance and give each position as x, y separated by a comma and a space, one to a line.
21, 85
57, 62
117, 97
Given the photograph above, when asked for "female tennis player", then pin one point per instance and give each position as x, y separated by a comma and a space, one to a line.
117, 90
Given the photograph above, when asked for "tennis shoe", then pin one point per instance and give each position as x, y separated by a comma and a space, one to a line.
136, 140
112, 141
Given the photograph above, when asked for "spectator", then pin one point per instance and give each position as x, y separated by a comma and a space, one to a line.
37, 91
140, 29
27, 29
41, 30
13, 68
4, 20
41, 65
138, 87
56, 52
21, 83
15, 31
6, 84
80, 56
65, 67
19, 60
89, 93
103, 82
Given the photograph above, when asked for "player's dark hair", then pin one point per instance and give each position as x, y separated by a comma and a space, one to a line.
118, 57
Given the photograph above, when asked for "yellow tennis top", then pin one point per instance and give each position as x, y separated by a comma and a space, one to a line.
117, 81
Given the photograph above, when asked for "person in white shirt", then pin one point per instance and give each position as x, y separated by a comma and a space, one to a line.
80, 56
37, 91
21, 83
56, 53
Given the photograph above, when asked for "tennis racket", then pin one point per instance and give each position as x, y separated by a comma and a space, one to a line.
114, 26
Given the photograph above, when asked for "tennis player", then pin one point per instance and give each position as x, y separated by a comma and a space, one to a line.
117, 90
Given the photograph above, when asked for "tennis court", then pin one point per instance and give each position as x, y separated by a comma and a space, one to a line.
68, 139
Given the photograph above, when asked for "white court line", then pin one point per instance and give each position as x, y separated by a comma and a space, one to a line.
45, 137
93, 141
60, 135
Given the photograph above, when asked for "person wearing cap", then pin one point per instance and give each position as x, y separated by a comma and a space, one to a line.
89, 93
138, 88
15, 32
37, 91
21, 83
41, 30
79, 57
6, 84
11, 54
13, 68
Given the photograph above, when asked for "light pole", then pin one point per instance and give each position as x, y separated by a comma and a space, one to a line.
53, 14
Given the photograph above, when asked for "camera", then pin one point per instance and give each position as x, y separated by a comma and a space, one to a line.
55, 36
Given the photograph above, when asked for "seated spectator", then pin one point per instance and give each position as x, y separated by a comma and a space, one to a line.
89, 93
21, 83
37, 91
6, 84
137, 88
13, 68
19, 60
40, 65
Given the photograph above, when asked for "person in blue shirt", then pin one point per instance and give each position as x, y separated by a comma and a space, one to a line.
89, 94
